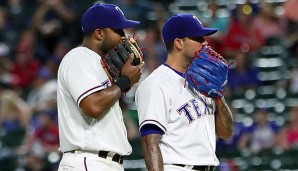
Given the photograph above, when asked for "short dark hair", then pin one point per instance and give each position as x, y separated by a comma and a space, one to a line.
88, 34
170, 46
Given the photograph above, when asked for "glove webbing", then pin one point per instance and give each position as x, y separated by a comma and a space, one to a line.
210, 52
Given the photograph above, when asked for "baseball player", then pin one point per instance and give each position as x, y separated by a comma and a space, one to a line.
179, 125
92, 133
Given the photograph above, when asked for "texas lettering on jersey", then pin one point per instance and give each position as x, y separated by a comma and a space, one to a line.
199, 111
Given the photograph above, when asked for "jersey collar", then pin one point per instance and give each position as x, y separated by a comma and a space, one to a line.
179, 73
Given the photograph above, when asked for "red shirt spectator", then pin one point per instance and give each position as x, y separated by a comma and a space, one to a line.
292, 136
292, 131
268, 23
25, 70
26, 65
242, 35
47, 133
289, 136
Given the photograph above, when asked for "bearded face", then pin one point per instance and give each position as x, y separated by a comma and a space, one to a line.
112, 38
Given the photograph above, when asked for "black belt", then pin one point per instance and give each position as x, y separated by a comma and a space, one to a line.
201, 168
104, 154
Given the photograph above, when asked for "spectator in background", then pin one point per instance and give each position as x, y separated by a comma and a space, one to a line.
136, 10
26, 65
14, 17
233, 144
242, 75
293, 81
52, 19
5, 61
289, 136
242, 33
42, 142
153, 45
262, 134
291, 15
161, 15
47, 133
269, 24
62, 47
220, 22
8, 80
14, 118
4, 26
19, 14
292, 63
35, 161
43, 92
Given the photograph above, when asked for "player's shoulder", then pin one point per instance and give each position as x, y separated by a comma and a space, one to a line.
160, 77
79, 55
81, 52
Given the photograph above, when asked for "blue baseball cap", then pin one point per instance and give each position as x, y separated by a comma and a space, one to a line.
105, 16
184, 25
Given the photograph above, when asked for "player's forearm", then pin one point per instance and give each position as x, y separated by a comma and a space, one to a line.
223, 119
152, 153
96, 104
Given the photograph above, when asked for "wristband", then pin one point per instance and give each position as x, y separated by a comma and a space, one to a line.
123, 83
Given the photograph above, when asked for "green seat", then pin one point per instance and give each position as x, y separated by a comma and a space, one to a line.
13, 138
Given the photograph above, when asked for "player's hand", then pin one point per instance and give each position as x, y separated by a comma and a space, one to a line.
133, 72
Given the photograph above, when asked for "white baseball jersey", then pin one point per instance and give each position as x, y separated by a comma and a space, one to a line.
187, 119
81, 74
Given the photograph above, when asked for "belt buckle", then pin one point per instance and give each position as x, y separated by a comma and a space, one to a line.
110, 155
114, 157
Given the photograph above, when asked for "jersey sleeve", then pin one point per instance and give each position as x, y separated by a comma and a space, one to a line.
83, 75
153, 105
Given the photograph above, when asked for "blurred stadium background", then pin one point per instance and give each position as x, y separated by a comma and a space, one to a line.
260, 36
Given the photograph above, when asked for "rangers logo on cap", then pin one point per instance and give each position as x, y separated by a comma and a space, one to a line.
118, 9
196, 18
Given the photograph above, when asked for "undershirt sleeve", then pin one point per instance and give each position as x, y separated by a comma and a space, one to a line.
150, 129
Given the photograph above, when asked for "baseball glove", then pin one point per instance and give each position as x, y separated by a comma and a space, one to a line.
114, 60
208, 73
